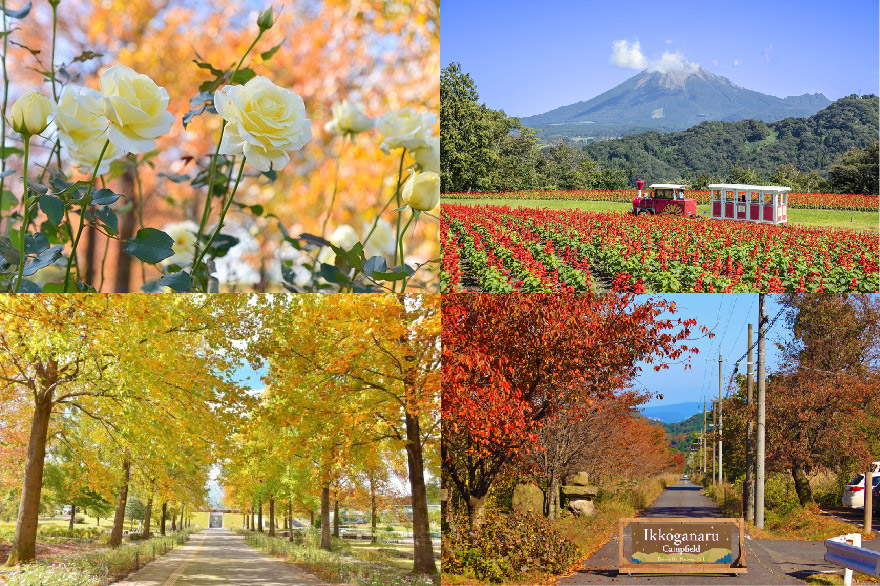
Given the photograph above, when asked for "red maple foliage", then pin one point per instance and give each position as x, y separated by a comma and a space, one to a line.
512, 362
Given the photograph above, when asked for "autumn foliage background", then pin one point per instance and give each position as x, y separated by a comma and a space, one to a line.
384, 54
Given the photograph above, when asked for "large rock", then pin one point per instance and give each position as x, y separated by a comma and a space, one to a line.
580, 491
528, 497
582, 508
579, 479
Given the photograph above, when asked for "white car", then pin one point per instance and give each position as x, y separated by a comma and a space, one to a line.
854, 493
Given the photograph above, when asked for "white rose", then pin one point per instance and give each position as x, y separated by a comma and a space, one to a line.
383, 241
264, 121
184, 246
344, 237
428, 157
405, 128
83, 131
422, 191
348, 118
30, 113
136, 107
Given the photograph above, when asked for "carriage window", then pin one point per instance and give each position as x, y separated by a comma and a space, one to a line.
768, 199
741, 196
729, 195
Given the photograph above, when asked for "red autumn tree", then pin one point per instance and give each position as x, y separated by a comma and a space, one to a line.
823, 408
512, 362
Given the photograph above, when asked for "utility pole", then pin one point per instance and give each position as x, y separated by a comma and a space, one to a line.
749, 486
704, 436
869, 498
720, 424
715, 443
759, 474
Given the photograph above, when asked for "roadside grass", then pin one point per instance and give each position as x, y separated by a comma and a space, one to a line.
787, 520
832, 579
805, 217
626, 499
95, 567
364, 564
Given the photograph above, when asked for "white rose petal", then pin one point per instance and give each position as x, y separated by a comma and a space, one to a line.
136, 107
263, 122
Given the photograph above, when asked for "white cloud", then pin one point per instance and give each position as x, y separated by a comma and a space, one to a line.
715, 62
767, 50
671, 62
629, 55
736, 62
668, 41
624, 54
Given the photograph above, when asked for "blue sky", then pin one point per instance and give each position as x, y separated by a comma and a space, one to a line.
530, 57
727, 315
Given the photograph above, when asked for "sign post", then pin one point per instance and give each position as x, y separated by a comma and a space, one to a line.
679, 545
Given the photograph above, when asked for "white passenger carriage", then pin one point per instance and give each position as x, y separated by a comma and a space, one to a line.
766, 204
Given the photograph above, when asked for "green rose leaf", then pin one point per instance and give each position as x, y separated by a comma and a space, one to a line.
7, 200
375, 264
178, 281
104, 197
53, 208
42, 260
243, 75
150, 245
266, 55
109, 219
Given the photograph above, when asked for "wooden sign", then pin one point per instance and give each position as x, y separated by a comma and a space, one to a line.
682, 546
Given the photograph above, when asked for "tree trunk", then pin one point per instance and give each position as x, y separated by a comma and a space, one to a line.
336, 517
476, 511
373, 509
312, 517
554, 497
148, 515
174, 522
325, 517
802, 484
271, 516
24, 544
423, 549
164, 514
126, 230
260, 516
72, 516
289, 520
119, 517
182, 520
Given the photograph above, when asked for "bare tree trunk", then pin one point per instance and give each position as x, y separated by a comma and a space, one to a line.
336, 517
164, 514
477, 511
289, 520
72, 516
119, 517
271, 516
260, 515
24, 543
554, 496
325, 517
126, 230
373, 509
423, 549
800, 474
148, 514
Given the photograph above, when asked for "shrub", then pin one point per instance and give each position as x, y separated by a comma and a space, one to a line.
56, 575
507, 546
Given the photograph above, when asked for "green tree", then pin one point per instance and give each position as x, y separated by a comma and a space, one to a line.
856, 171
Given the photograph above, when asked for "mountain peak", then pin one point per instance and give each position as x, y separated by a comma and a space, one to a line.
667, 97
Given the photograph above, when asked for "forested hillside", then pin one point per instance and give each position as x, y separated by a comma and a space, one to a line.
781, 152
485, 150
681, 434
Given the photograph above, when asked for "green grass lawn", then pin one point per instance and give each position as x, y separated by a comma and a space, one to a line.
823, 218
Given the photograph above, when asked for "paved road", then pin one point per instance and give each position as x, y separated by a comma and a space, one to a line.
854, 516
768, 561
215, 557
